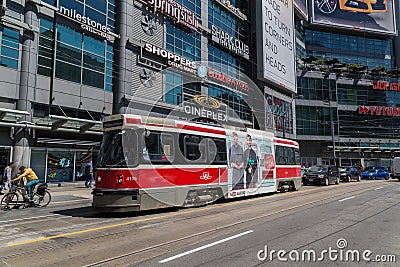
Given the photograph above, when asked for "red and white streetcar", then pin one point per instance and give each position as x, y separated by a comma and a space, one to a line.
149, 163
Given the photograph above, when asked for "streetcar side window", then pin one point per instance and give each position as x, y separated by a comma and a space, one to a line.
194, 148
158, 147
289, 155
280, 155
217, 151
297, 156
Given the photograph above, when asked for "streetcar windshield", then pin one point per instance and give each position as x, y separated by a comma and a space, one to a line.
118, 149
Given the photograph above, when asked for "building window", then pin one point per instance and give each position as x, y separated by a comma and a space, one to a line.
80, 58
46, 50
237, 106
9, 50
226, 63
226, 21
371, 52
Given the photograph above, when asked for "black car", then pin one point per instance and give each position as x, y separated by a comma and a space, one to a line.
321, 174
349, 173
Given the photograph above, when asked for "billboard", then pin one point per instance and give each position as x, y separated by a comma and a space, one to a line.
368, 15
302, 7
277, 51
279, 114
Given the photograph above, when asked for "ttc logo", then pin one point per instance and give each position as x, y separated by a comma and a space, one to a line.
206, 176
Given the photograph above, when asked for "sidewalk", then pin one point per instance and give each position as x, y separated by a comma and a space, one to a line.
70, 188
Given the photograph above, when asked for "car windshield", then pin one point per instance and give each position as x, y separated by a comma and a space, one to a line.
318, 169
348, 169
369, 169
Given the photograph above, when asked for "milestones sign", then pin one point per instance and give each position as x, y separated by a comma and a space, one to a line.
87, 23
278, 50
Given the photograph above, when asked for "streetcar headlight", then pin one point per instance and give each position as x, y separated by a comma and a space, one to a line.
120, 178
99, 178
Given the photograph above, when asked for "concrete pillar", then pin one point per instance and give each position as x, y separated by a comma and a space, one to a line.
23, 138
122, 29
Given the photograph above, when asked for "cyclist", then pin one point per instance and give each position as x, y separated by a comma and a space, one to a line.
31, 179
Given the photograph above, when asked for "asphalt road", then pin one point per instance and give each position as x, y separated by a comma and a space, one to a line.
358, 216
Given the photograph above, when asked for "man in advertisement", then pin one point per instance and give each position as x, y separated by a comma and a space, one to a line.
250, 158
236, 163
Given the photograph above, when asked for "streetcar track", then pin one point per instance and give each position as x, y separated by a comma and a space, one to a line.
104, 235
230, 206
210, 231
106, 261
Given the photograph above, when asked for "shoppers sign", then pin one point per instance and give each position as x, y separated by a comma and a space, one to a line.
234, 10
173, 60
276, 52
386, 86
379, 111
206, 107
87, 23
176, 11
230, 42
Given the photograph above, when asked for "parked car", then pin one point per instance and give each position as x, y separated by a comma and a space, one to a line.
321, 174
349, 173
372, 173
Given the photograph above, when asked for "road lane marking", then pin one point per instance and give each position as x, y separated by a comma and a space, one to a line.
29, 218
166, 216
378, 188
205, 246
347, 198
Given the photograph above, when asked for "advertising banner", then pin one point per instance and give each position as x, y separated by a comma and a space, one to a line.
279, 114
277, 49
368, 15
302, 6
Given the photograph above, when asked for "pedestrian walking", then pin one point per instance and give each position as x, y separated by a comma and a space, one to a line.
89, 174
7, 177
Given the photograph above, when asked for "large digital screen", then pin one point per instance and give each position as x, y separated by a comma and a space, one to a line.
301, 6
368, 15
277, 49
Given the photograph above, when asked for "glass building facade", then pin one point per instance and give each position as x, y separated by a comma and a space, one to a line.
329, 115
9, 47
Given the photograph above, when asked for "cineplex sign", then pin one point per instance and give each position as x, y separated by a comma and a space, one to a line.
184, 64
206, 107
379, 111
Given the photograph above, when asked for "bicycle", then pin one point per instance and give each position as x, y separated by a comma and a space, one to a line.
40, 197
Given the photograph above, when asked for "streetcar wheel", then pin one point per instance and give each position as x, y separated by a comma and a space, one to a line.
9, 201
